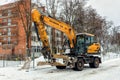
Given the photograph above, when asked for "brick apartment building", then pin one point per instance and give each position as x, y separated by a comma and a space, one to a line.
12, 34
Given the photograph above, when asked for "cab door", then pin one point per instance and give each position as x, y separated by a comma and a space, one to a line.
80, 43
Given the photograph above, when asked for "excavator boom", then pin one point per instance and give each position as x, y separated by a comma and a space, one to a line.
59, 25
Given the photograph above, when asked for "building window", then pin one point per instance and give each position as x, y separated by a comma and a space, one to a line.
0, 24
9, 12
5, 29
5, 13
9, 40
4, 20
9, 22
4, 39
33, 28
34, 38
9, 31
58, 42
36, 49
0, 14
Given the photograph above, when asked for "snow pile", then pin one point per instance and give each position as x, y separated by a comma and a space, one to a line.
41, 58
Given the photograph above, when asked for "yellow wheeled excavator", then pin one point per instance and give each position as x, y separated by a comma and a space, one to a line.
82, 47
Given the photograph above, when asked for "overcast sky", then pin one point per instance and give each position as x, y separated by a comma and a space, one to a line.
106, 8
2, 2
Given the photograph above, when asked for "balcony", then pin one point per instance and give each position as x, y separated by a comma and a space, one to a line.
5, 16
8, 46
14, 33
3, 24
12, 41
9, 16
7, 26
3, 32
15, 36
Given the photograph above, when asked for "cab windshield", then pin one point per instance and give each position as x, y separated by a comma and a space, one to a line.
80, 44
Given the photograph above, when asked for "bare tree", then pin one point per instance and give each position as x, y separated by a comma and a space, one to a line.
52, 9
73, 11
24, 11
86, 19
115, 40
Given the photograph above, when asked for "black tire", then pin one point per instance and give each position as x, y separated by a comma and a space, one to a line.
79, 65
95, 63
91, 65
60, 67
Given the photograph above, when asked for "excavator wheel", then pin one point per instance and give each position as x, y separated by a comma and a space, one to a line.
95, 64
79, 65
60, 67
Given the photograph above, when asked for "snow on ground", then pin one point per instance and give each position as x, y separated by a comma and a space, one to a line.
5, 63
108, 70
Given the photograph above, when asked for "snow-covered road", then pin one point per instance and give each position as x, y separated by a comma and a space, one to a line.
109, 70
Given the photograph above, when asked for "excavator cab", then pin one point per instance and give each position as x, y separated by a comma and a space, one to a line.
85, 43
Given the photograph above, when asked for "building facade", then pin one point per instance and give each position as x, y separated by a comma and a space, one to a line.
12, 34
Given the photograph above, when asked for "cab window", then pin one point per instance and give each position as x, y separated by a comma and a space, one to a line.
88, 39
92, 39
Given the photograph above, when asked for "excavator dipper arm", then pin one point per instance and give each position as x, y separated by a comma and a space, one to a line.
41, 31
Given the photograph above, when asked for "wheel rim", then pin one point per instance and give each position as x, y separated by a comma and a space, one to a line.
96, 62
80, 65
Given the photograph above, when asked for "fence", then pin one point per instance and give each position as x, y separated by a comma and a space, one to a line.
10, 60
